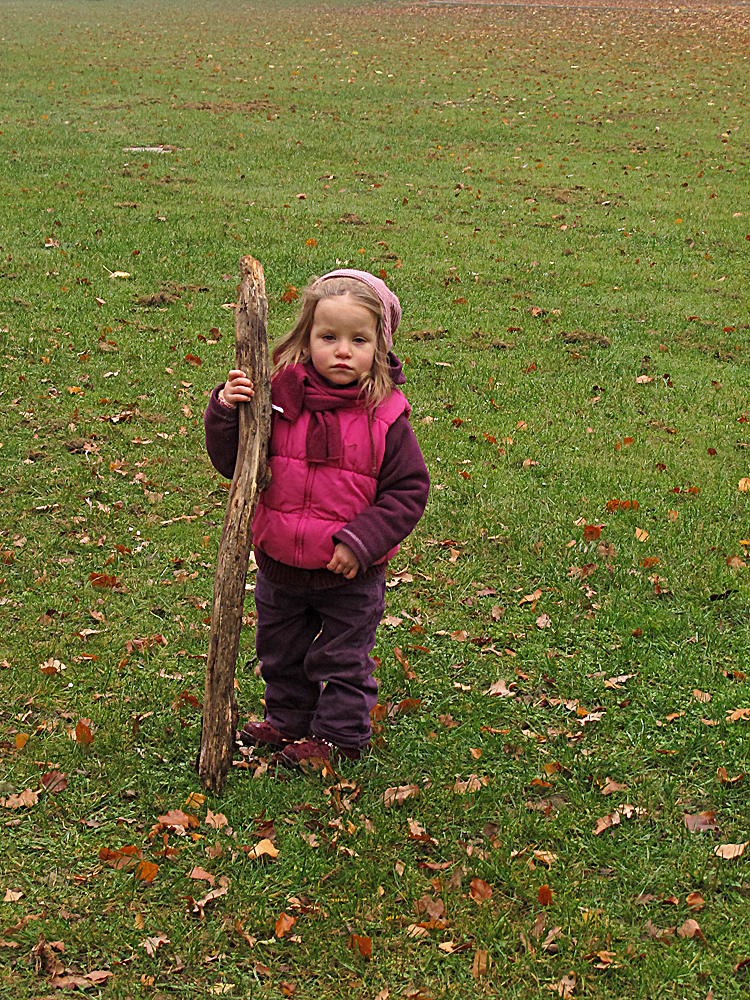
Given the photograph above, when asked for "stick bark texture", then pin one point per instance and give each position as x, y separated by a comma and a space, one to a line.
220, 712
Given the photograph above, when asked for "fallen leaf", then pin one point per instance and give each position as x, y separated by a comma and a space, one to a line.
119, 858
480, 964
361, 944
545, 896
263, 847
178, 821
701, 822
531, 598
565, 987
480, 891
147, 871
695, 901
201, 873
643, 379
730, 851
52, 667
744, 485
691, 929
395, 796
605, 822
546, 857
641, 535
592, 531
612, 786
702, 696
12, 896
21, 740
472, 784
152, 943
738, 714
543, 621
721, 774
284, 923
501, 689
25, 798
82, 732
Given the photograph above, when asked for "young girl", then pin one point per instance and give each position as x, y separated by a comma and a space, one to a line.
348, 484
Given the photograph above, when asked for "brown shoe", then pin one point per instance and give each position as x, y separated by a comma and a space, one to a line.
314, 749
263, 734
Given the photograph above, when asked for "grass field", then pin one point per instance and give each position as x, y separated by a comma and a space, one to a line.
560, 199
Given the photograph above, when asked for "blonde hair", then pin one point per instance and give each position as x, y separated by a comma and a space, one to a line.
294, 347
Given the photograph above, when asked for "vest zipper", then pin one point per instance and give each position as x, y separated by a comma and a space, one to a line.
306, 499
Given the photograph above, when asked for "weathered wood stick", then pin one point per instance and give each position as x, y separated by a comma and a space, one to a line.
220, 712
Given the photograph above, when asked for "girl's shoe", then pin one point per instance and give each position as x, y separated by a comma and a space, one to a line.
315, 749
263, 734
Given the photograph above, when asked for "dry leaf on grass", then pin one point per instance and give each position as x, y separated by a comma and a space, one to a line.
362, 944
695, 901
262, 848
152, 943
480, 891
700, 822
284, 923
472, 784
721, 774
481, 963
395, 796
690, 929
730, 851
501, 689
24, 799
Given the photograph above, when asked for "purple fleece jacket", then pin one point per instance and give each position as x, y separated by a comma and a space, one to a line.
403, 485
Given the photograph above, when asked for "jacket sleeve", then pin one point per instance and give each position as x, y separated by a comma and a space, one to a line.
222, 434
403, 485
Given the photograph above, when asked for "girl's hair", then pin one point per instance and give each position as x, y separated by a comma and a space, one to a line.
294, 348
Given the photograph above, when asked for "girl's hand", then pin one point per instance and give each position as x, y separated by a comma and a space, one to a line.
238, 388
344, 561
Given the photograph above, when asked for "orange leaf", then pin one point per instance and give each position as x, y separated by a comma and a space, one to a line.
124, 857
147, 871
480, 891
83, 733
362, 944
193, 359
285, 923
545, 896
21, 740
730, 851
592, 531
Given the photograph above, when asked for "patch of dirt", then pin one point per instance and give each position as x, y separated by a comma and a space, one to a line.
126, 204
169, 292
351, 219
584, 337
563, 196
427, 334
171, 180
228, 107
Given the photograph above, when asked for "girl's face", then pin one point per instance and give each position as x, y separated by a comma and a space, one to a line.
343, 337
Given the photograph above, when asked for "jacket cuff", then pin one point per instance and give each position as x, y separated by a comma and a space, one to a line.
356, 545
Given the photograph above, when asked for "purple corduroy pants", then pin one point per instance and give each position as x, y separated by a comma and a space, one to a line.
314, 648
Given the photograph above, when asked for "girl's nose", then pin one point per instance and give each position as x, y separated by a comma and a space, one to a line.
343, 349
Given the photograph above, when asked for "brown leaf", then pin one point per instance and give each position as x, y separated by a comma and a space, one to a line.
700, 822
54, 781
695, 901
52, 666
480, 891
407, 706
82, 732
730, 851
500, 689
152, 943
549, 943
592, 531
147, 871
613, 786
690, 929
721, 774
201, 873
472, 784
480, 964
545, 896
702, 696
25, 798
531, 598
284, 923
738, 715
605, 822
565, 987
361, 944
395, 796
123, 857
263, 847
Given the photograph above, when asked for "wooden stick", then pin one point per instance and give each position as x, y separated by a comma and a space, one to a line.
220, 712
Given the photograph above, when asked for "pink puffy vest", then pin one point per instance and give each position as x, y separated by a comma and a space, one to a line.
305, 505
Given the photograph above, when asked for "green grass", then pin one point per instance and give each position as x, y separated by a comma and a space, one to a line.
520, 174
